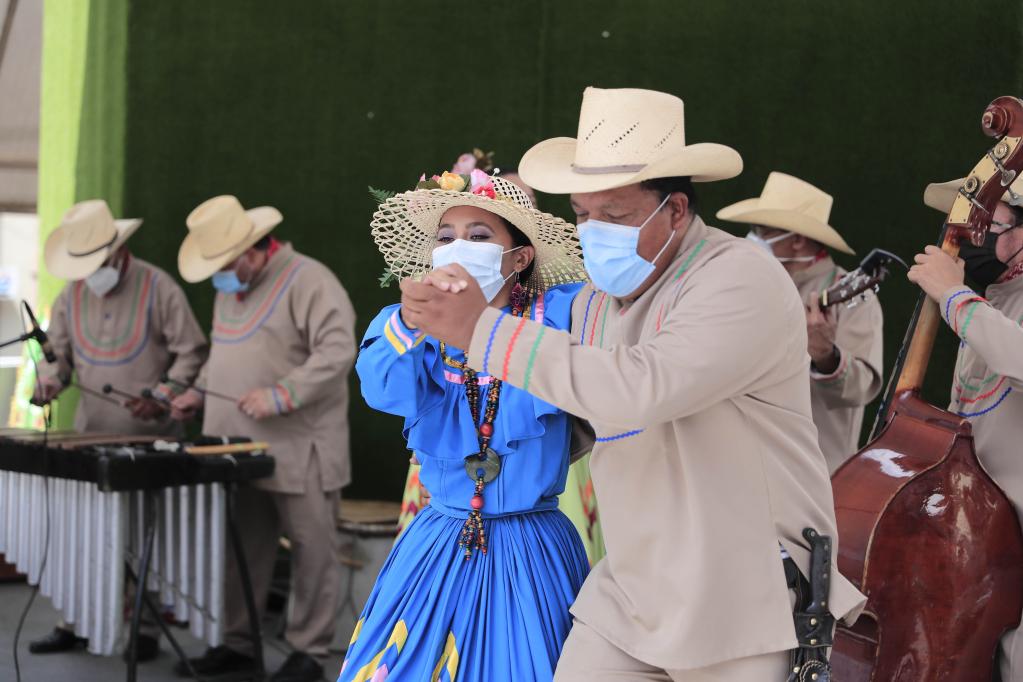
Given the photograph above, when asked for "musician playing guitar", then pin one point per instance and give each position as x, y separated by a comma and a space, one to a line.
987, 386
790, 220
120, 323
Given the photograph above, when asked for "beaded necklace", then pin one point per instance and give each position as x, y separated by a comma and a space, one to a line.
484, 465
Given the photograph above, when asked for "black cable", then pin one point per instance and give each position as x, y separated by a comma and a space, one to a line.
47, 413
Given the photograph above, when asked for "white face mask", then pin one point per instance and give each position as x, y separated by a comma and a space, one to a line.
103, 281
765, 244
482, 260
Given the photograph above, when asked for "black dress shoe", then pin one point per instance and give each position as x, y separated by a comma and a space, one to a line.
57, 641
146, 649
218, 661
299, 668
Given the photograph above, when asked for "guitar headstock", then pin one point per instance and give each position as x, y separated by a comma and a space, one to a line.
856, 285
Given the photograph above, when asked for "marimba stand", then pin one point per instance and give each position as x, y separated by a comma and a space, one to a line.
151, 517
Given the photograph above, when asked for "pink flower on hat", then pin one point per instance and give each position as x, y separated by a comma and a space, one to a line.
465, 164
482, 184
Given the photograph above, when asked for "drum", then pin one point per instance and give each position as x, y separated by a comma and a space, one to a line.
366, 532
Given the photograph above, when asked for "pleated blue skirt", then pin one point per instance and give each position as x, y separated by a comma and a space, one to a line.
497, 617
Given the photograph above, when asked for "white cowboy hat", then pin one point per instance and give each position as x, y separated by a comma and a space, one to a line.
788, 203
405, 226
86, 237
941, 195
625, 136
220, 230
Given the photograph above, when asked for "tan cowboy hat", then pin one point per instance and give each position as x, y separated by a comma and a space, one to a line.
941, 195
85, 238
788, 203
220, 230
405, 229
625, 136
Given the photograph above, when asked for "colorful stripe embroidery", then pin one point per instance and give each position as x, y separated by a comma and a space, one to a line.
689, 260
603, 324
586, 316
990, 408
678, 276
969, 317
277, 401
538, 309
457, 378
953, 297
619, 436
287, 392
511, 347
126, 346
593, 330
398, 337
490, 341
532, 358
228, 329
967, 401
965, 385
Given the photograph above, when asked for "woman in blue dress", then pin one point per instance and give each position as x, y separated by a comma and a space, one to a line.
479, 585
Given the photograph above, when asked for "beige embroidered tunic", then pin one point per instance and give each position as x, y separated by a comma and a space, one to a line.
988, 383
293, 334
838, 399
140, 331
706, 457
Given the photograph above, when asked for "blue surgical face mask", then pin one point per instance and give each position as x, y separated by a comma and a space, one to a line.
482, 260
227, 282
610, 256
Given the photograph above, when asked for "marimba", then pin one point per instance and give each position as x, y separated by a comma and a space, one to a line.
111, 505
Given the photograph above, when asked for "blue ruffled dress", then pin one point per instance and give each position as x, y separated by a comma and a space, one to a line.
502, 616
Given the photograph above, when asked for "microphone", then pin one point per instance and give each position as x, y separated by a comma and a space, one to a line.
39, 335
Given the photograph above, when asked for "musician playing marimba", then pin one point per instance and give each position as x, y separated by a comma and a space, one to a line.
790, 220
122, 324
282, 346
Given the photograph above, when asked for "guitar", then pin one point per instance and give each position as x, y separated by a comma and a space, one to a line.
865, 280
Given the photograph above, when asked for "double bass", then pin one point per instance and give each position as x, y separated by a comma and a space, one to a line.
923, 531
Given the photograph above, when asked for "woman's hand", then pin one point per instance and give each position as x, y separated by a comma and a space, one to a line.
446, 278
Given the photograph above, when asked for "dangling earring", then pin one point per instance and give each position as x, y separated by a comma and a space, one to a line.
517, 298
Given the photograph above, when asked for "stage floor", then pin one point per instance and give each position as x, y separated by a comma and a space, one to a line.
84, 667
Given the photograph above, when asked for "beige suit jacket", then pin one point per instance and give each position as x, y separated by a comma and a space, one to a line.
707, 457
988, 383
292, 333
838, 399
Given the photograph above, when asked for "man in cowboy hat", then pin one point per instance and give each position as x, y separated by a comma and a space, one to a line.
282, 346
988, 381
789, 220
120, 322
688, 357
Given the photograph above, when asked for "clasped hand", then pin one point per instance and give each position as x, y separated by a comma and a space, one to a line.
446, 304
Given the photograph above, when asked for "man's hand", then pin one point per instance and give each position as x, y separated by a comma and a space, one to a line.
186, 405
445, 279
821, 327
936, 272
258, 404
47, 388
447, 315
146, 409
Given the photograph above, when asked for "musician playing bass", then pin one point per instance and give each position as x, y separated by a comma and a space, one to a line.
120, 323
789, 220
987, 387
283, 343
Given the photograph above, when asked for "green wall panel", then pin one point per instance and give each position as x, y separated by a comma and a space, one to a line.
303, 104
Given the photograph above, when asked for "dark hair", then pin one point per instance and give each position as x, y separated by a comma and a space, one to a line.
520, 239
263, 244
666, 186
